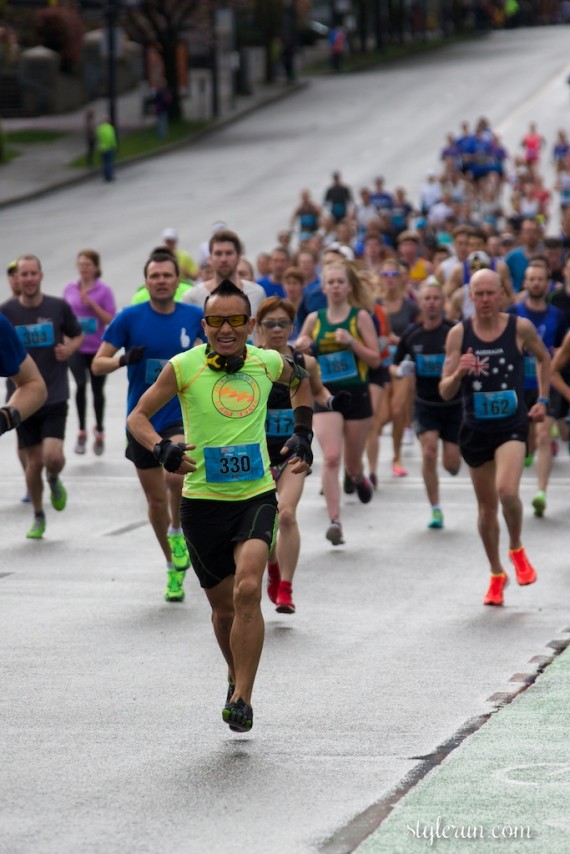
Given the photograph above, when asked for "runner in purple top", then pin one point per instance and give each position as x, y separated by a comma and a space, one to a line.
93, 304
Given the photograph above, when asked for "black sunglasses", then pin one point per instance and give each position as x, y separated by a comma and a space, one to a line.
271, 324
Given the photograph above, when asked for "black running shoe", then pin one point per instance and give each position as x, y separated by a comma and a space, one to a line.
365, 490
348, 485
238, 715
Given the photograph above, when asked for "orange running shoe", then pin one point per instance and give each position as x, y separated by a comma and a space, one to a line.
284, 598
494, 595
398, 470
526, 573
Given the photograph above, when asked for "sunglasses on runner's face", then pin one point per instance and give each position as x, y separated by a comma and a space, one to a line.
233, 319
271, 324
390, 274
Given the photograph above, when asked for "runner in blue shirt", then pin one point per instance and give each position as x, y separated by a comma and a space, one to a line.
551, 325
151, 333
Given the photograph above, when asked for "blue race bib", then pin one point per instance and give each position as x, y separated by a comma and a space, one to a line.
88, 325
495, 404
429, 365
338, 366
279, 422
389, 360
37, 334
233, 462
152, 369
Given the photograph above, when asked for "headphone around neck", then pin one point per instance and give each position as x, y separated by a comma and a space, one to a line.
229, 364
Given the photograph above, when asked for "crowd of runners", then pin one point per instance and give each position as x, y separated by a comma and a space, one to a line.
445, 317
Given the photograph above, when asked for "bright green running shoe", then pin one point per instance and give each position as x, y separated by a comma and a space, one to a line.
58, 495
539, 504
436, 520
528, 461
179, 551
36, 532
238, 715
174, 586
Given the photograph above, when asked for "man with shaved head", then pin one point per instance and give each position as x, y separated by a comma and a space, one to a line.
484, 359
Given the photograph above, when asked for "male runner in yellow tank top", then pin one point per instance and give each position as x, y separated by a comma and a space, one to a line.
229, 508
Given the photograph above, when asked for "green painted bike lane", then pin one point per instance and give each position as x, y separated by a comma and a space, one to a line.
505, 788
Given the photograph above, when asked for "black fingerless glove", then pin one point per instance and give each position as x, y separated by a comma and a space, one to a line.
340, 402
169, 454
132, 356
9, 419
299, 445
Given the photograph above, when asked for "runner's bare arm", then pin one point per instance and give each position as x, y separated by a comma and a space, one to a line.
31, 392
154, 398
530, 338
456, 366
559, 362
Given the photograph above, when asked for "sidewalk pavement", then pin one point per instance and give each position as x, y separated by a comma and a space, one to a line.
44, 167
504, 788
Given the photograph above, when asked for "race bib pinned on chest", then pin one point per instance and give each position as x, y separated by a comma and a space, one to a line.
495, 404
152, 369
231, 463
429, 364
339, 366
279, 423
389, 360
88, 325
36, 334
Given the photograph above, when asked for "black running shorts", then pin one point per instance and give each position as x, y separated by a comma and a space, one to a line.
379, 376
445, 420
47, 423
478, 447
360, 407
213, 528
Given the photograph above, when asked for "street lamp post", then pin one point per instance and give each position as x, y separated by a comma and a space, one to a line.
215, 71
111, 15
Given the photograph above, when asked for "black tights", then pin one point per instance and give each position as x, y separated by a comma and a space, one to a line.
80, 366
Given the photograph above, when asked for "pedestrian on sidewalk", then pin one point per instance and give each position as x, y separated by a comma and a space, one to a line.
107, 148
162, 102
337, 46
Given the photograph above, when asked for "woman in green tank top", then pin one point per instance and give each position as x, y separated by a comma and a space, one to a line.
344, 340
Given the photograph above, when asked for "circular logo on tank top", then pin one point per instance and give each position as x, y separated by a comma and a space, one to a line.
236, 395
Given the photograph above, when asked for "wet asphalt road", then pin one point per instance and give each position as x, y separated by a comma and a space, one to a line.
111, 736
